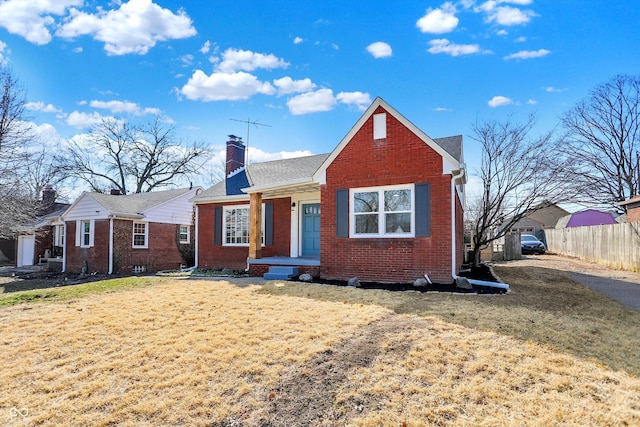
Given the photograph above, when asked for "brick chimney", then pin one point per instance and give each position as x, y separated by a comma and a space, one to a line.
115, 192
235, 154
48, 196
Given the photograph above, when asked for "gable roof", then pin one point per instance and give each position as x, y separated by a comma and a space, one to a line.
134, 205
295, 172
449, 148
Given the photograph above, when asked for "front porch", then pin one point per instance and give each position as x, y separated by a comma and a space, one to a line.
299, 265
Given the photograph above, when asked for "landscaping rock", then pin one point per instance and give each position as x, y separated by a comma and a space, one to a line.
421, 282
306, 278
354, 282
463, 283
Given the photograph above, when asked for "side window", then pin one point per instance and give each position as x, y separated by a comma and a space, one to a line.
140, 231
185, 236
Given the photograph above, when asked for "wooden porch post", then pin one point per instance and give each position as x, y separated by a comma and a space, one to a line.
255, 226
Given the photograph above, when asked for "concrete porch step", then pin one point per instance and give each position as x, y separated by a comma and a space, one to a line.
280, 272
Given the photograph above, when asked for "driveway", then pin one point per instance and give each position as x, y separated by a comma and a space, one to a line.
622, 286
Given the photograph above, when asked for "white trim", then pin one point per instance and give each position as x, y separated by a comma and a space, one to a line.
380, 126
110, 245
197, 237
188, 240
80, 232
134, 234
225, 209
64, 249
381, 234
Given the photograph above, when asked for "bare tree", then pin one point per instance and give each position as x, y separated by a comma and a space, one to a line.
17, 204
131, 158
602, 141
519, 174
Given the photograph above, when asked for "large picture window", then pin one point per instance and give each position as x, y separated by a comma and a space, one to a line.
236, 226
383, 212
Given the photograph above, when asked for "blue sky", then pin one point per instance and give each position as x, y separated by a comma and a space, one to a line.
309, 69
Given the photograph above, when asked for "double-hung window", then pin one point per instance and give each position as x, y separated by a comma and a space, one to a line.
383, 211
235, 227
86, 233
140, 234
184, 234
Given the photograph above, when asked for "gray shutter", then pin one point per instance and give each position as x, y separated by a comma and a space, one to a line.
423, 209
217, 225
268, 224
342, 213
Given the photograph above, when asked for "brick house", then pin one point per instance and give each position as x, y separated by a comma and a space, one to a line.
633, 208
41, 241
111, 233
386, 205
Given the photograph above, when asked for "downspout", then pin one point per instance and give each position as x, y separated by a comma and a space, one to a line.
195, 263
454, 178
110, 244
64, 248
454, 275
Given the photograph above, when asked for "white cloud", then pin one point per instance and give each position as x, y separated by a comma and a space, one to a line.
257, 155
508, 16
502, 32
527, 54
499, 101
206, 47
32, 19
360, 100
41, 106
298, 40
552, 89
442, 109
224, 86
380, 50
312, 102
118, 107
532, 102
445, 46
133, 28
287, 85
84, 120
245, 60
520, 39
3, 50
439, 21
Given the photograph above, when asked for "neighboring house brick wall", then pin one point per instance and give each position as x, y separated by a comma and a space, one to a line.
162, 251
97, 257
633, 215
212, 256
401, 158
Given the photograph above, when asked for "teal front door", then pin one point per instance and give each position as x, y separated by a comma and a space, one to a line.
311, 229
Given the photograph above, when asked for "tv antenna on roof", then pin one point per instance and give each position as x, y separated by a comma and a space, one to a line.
249, 123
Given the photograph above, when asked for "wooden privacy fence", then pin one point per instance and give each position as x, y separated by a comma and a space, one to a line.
613, 245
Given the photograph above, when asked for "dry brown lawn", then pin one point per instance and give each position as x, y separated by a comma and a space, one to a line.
214, 353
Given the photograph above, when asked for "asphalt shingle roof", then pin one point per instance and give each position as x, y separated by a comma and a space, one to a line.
272, 173
138, 202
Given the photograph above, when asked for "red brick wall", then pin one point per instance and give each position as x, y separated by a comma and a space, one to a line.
633, 215
401, 158
97, 257
212, 256
162, 252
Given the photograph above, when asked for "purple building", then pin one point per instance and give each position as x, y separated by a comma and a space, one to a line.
586, 218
